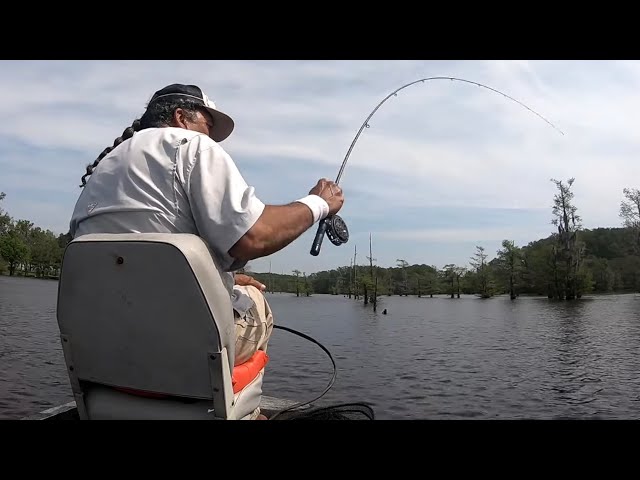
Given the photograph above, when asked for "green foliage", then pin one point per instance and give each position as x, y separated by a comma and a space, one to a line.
5, 219
13, 250
29, 250
608, 266
508, 267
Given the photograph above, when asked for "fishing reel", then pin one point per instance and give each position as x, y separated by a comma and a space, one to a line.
336, 230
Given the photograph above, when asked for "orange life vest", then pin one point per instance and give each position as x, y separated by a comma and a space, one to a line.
244, 373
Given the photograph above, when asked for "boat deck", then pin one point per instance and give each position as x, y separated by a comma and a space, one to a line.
68, 411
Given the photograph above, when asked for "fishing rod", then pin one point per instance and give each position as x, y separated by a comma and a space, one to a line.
333, 225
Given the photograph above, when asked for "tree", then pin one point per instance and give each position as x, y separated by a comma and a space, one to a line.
509, 264
306, 285
5, 219
64, 239
459, 272
46, 255
630, 211
568, 251
403, 264
24, 230
449, 278
432, 280
604, 277
13, 250
374, 278
355, 273
297, 274
479, 263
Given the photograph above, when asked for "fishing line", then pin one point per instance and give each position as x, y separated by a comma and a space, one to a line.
333, 225
339, 411
331, 382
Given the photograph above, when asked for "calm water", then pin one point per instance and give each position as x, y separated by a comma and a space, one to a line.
429, 358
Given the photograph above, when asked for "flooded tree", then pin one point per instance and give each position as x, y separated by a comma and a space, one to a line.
355, 272
479, 263
270, 284
403, 264
306, 285
459, 272
509, 264
297, 274
432, 280
449, 278
373, 276
568, 251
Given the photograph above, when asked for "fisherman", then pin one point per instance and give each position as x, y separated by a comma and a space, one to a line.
168, 173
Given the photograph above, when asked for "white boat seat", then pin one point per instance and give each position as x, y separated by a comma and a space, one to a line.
149, 312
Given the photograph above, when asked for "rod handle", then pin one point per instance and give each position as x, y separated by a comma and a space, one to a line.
317, 241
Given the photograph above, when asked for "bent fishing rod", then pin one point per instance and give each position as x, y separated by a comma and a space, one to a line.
333, 225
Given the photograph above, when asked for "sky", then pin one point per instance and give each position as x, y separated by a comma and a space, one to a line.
444, 167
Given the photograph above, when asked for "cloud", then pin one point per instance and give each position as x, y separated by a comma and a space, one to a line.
437, 151
476, 235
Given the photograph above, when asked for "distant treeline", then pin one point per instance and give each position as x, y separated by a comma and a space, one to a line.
610, 265
28, 250
570, 262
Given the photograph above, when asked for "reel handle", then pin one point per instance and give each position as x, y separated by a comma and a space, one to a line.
317, 241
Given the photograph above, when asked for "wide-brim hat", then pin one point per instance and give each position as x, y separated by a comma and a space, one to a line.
223, 124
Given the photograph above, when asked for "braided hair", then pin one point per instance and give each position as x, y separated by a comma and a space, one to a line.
158, 114
128, 133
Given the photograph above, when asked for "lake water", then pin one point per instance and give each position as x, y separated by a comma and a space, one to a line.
428, 358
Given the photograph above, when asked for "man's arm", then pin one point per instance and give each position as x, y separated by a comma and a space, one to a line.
233, 220
277, 227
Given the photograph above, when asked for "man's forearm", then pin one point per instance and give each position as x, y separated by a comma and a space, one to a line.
277, 227
283, 224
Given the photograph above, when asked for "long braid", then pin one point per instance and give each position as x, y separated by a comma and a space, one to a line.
158, 114
126, 134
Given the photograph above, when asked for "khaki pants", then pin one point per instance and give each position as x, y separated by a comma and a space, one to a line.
253, 330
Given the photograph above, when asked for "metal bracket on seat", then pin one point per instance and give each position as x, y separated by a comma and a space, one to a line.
73, 377
221, 387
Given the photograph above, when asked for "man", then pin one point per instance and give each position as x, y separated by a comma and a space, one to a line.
168, 173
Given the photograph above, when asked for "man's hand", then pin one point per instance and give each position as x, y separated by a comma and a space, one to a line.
245, 280
331, 193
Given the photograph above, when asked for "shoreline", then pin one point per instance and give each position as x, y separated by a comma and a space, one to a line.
588, 296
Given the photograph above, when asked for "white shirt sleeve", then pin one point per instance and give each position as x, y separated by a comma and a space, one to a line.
223, 206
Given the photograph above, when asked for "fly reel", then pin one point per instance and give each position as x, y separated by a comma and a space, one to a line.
337, 230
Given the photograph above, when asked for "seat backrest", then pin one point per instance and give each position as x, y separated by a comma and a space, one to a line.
147, 312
